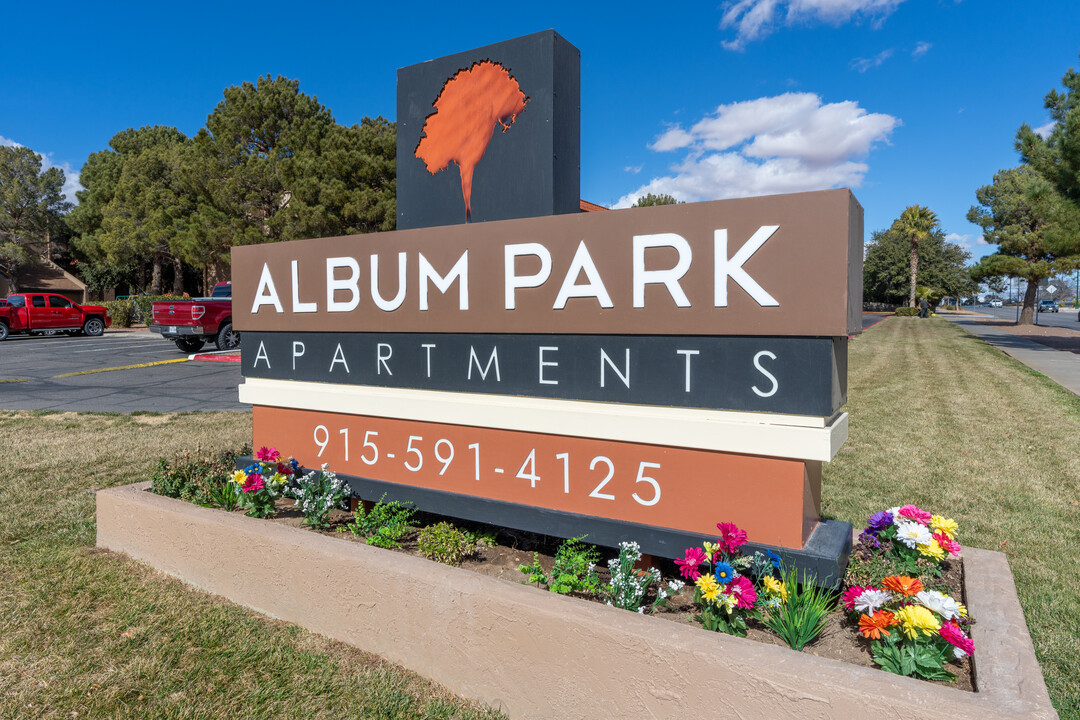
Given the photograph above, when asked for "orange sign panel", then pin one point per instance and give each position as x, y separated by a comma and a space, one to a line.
653, 485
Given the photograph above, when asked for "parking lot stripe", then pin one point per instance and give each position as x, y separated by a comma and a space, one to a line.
122, 367
14, 380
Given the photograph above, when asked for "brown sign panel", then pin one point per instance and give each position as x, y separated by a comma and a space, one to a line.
778, 265
650, 485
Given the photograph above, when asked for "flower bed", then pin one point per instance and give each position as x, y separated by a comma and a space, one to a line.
471, 632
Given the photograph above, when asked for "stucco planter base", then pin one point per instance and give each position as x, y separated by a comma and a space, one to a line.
541, 655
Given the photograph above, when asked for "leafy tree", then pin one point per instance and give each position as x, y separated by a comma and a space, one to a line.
887, 267
650, 200
31, 203
1034, 227
915, 223
1057, 156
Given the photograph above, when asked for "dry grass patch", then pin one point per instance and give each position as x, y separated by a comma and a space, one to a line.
90, 634
942, 420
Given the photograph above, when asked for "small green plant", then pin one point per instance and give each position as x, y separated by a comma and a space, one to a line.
629, 586
907, 311
193, 475
223, 493
317, 493
572, 570
384, 524
800, 615
445, 543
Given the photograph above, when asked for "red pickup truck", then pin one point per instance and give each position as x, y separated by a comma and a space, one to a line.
48, 314
193, 323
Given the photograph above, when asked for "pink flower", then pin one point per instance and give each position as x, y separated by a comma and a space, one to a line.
689, 566
852, 594
731, 537
254, 483
947, 544
267, 454
744, 592
955, 636
913, 513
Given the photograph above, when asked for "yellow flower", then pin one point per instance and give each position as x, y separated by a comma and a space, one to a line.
728, 602
710, 549
944, 525
239, 477
932, 549
775, 587
278, 479
916, 618
709, 587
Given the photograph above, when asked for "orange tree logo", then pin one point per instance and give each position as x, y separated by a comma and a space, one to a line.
468, 108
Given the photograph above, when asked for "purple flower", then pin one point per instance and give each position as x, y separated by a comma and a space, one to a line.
880, 521
867, 537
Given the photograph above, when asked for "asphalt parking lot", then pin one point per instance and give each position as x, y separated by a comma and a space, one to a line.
121, 371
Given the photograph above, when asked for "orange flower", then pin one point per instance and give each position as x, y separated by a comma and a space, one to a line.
873, 626
904, 585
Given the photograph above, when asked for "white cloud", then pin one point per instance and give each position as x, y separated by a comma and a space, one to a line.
71, 177
864, 64
967, 241
754, 19
787, 143
921, 49
1044, 131
633, 169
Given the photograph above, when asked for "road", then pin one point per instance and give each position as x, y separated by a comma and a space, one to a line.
1066, 318
64, 373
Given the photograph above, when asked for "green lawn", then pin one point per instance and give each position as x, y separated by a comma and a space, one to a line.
938, 419
944, 421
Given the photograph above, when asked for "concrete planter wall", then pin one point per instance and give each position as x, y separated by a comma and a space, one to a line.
541, 655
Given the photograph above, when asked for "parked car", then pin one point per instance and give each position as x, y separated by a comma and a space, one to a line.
49, 314
1048, 306
193, 323
995, 303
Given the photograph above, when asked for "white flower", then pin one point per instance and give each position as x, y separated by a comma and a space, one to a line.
872, 599
912, 533
940, 603
958, 653
675, 585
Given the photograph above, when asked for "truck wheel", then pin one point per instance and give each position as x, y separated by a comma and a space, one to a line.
227, 338
93, 327
3, 331
189, 345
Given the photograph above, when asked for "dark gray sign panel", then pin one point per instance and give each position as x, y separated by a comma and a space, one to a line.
796, 375
501, 134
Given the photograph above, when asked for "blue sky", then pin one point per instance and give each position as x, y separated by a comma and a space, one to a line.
904, 101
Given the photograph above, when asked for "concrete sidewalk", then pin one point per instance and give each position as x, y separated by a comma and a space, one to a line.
1061, 366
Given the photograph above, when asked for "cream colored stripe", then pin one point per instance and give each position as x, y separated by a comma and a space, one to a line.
784, 436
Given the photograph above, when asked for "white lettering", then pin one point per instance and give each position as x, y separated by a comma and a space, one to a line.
667, 278
388, 305
261, 355
733, 267
297, 306
428, 346
473, 360
266, 294
460, 271
513, 281
595, 288
766, 373
688, 353
339, 357
625, 377
297, 351
381, 359
547, 363
351, 284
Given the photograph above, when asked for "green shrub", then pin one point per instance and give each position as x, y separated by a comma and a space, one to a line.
907, 311
800, 617
445, 543
144, 305
122, 312
384, 524
573, 569
196, 476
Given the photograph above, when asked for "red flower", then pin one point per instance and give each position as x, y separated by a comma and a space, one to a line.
913, 513
950, 546
254, 483
731, 537
690, 564
267, 454
744, 592
852, 594
873, 626
955, 636
904, 585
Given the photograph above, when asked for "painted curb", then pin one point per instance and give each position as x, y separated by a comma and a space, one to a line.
540, 655
215, 357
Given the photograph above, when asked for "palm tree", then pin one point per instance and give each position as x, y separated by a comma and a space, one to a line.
915, 223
